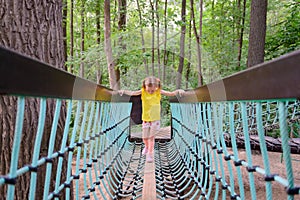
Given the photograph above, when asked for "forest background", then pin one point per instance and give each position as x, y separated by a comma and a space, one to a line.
184, 43
118, 43
154, 37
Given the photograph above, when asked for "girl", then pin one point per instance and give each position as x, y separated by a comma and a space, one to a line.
151, 95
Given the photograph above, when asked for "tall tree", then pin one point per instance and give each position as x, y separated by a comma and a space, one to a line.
122, 10
165, 58
157, 37
71, 34
82, 33
65, 15
142, 36
182, 43
41, 37
198, 39
98, 33
153, 37
257, 34
241, 30
189, 56
107, 44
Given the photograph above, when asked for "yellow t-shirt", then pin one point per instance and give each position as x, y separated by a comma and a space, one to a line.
151, 105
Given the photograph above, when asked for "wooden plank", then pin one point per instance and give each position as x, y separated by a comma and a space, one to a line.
149, 186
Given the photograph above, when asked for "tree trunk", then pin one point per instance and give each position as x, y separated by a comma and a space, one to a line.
153, 37
198, 39
165, 58
257, 34
189, 56
157, 37
143, 40
122, 28
241, 34
71, 35
65, 15
33, 28
82, 27
107, 43
98, 32
182, 43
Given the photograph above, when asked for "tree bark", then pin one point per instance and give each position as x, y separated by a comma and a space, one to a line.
182, 43
65, 15
107, 43
241, 34
165, 58
153, 37
32, 28
71, 34
98, 32
257, 34
143, 40
157, 38
122, 28
82, 27
198, 39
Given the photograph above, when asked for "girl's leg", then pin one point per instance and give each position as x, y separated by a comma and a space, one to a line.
154, 129
146, 132
151, 142
150, 153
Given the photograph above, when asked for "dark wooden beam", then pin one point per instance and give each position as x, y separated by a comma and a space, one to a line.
22, 75
276, 79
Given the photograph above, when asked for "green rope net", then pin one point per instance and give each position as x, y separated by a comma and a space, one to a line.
212, 153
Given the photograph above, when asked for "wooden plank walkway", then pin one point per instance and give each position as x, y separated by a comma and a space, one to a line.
149, 185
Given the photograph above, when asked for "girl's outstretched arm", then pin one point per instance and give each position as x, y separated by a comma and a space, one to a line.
129, 92
173, 93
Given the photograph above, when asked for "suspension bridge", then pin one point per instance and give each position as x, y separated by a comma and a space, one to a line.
215, 131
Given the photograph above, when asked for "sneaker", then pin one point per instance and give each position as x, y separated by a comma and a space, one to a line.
145, 151
149, 157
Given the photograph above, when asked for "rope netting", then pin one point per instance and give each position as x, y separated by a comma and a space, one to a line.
94, 146
214, 169
202, 161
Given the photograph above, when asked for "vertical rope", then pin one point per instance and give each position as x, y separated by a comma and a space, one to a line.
217, 133
220, 140
285, 145
235, 150
248, 148
72, 146
263, 148
79, 144
51, 148
63, 145
85, 147
227, 157
16, 146
37, 147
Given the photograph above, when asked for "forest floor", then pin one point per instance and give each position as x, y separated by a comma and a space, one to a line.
277, 166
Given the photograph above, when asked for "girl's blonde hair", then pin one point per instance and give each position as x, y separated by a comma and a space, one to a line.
151, 80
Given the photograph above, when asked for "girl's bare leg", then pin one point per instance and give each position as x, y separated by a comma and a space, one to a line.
146, 139
151, 144
146, 142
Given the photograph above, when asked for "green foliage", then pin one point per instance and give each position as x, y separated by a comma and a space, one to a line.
286, 35
219, 47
